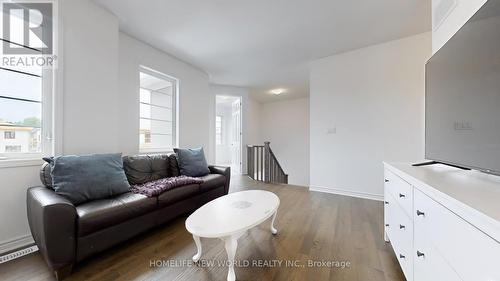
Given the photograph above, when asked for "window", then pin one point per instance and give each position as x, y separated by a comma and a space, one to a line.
9, 135
218, 130
20, 111
25, 107
157, 99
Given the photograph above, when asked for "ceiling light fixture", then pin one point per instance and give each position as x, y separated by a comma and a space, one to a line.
277, 91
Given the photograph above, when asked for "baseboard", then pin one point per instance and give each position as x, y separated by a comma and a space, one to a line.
15, 244
357, 194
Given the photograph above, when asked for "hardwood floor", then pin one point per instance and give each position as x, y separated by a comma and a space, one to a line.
311, 226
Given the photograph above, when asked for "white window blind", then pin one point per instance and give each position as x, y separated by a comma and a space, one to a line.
157, 99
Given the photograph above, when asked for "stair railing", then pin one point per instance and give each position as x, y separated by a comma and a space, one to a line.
262, 164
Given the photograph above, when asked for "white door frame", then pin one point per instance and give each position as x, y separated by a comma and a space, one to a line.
240, 126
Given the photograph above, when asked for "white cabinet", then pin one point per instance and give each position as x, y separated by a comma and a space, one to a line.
429, 238
399, 223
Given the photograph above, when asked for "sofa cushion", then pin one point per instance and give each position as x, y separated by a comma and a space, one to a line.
173, 166
145, 168
88, 177
192, 161
177, 194
100, 214
212, 181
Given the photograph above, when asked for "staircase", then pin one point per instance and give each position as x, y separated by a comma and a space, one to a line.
263, 165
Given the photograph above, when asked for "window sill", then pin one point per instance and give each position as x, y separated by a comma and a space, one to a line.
12, 163
156, 152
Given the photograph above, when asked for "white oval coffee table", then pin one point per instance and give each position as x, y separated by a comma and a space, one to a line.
229, 217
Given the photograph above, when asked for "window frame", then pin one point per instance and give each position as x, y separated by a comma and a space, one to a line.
51, 136
175, 95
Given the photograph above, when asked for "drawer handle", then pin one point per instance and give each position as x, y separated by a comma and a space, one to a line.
420, 254
420, 213
401, 195
402, 256
386, 202
386, 180
387, 225
402, 226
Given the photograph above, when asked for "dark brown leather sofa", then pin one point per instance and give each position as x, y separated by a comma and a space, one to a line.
66, 234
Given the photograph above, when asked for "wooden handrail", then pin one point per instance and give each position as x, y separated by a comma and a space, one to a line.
262, 164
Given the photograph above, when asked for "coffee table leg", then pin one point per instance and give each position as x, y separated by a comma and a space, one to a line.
274, 230
231, 244
197, 241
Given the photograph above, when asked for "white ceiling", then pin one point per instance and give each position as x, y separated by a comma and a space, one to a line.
266, 44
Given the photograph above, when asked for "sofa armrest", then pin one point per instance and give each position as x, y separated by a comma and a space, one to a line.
52, 220
221, 170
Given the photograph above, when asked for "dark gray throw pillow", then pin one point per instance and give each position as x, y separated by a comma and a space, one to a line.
192, 162
89, 177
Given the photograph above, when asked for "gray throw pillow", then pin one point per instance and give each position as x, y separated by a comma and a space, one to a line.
192, 162
89, 177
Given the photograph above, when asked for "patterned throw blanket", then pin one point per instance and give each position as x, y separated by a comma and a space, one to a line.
157, 187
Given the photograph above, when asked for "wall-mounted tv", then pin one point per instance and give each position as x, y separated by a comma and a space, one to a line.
462, 118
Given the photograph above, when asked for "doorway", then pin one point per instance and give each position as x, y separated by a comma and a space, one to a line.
228, 132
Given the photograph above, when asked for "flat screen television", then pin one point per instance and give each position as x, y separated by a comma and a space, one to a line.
462, 95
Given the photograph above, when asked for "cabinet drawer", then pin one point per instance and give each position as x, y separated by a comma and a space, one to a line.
399, 229
400, 190
429, 265
403, 242
470, 252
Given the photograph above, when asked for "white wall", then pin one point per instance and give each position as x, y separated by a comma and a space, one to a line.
14, 230
286, 125
194, 96
367, 106
253, 121
460, 14
90, 78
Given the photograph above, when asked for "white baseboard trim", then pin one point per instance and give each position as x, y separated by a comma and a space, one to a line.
339, 191
15, 244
